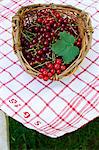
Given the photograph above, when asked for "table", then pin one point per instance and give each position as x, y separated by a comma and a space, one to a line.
4, 132
51, 108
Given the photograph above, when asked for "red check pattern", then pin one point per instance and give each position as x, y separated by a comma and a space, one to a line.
51, 108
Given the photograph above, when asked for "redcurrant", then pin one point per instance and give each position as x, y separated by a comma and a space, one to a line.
45, 78
56, 66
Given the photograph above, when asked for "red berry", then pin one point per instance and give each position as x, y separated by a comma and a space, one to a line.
58, 61
58, 24
45, 78
42, 59
41, 41
50, 74
45, 72
79, 40
46, 22
28, 56
56, 66
58, 16
33, 59
46, 43
65, 21
47, 35
39, 52
52, 71
58, 71
60, 20
31, 46
49, 65
37, 58
78, 43
39, 20
38, 34
42, 70
31, 63
45, 49
34, 41
36, 29
63, 67
51, 22
48, 28
48, 18
63, 25
40, 76
52, 34
49, 39
53, 11
55, 25
45, 29
39, 14
62, 29
42, 30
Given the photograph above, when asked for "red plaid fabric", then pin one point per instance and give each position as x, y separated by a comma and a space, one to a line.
52, 108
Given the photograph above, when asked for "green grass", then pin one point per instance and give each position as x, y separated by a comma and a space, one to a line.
86, 138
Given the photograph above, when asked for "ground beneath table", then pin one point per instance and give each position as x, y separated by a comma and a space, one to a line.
86, 138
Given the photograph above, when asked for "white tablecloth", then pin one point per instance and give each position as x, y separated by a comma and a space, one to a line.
53, 108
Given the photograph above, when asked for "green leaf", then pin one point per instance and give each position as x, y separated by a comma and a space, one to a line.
58, 46
69, 39
69, 54
65, 48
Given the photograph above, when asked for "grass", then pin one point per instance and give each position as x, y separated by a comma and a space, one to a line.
86, 138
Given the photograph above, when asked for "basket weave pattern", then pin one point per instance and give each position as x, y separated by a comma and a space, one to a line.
84, 27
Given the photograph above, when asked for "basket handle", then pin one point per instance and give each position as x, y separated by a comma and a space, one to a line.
16, 32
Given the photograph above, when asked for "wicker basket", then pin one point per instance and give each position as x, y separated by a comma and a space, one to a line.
84, 26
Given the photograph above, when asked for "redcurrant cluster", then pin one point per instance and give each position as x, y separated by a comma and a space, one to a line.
41, 29
51, 69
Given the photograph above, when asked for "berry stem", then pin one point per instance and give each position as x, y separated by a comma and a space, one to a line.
73, 30
52, 5
40, 65
31, 33
26, 37
36, 24
57, 29
53, 57
73, 25
53, 16
32, 49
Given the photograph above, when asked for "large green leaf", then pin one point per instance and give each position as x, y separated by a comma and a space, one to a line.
69, 39
69, 54
58, 46
65, 47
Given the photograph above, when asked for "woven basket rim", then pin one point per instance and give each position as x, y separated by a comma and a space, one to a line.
85, 28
